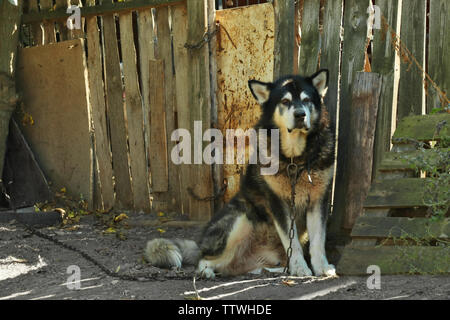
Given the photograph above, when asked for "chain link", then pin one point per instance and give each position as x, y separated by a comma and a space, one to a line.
207, 37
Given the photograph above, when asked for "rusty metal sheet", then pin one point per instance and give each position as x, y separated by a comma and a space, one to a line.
245, 47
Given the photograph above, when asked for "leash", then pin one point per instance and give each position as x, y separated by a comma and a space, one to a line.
292, 172
102, 267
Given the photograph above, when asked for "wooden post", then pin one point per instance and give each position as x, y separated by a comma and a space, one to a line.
199, 104
439, 49
383, 60
284, 37
364, 108
355, 26
10, 17
410, 91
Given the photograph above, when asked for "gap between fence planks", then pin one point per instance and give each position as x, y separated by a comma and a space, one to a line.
135, 120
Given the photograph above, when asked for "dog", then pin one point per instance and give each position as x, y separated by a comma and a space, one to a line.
251, 232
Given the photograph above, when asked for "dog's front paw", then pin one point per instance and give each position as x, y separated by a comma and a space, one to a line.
299, 268
204, 270
325, 269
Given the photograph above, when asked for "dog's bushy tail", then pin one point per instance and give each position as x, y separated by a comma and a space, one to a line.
168, 253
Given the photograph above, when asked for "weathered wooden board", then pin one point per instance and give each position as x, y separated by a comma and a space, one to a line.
383, 60
405, 228
410, 91
199, 104
104, 187
135, 118
116, 114
179, 31
61, 26
157, 143
355, 27
242, 56
163, 50
36, 28
396, 193
284, 37
365, 99
423, 128
394, 260
310, 46
53, 83
23, 179
330, 53
439, 50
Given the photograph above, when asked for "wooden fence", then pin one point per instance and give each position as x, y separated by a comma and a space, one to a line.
144, 82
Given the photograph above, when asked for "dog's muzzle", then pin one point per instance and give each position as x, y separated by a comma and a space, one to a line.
302, 118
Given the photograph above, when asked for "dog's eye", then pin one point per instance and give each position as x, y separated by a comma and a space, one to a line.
307, 99
286, 101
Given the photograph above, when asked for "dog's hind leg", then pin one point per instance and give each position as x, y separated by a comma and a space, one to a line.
234, 259
316, 224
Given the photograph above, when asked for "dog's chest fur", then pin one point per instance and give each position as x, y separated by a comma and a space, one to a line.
281, 186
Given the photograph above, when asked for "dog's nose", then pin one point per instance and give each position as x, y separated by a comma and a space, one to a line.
299, 114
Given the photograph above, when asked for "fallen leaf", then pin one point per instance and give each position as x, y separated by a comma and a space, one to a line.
289, 283
120, 217
161, 230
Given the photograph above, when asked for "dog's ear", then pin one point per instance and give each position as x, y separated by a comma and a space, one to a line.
320, 81
260, 90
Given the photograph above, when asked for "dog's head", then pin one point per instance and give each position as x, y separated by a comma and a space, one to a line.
292, 102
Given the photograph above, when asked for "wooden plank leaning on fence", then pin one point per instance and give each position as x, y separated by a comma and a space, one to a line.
438, 52
355, 18
135, 120
383, 62
410, 91
364, 107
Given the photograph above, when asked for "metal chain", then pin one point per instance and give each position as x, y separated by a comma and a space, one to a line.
208, 198
207, 37
292, 172
32, 230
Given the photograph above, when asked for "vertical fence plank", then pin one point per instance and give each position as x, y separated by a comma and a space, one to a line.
36, 28
179, 26
410, 91
76, 33
383, 62
170, 200
330, 52
199, 104
61, 25
439, 51
158, 139
115, 105
355, 32
309, 47
133, 101
284, 37
146, 52
48, 27
97, 100
364, 106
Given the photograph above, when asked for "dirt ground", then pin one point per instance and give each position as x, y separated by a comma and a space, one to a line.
35, 268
